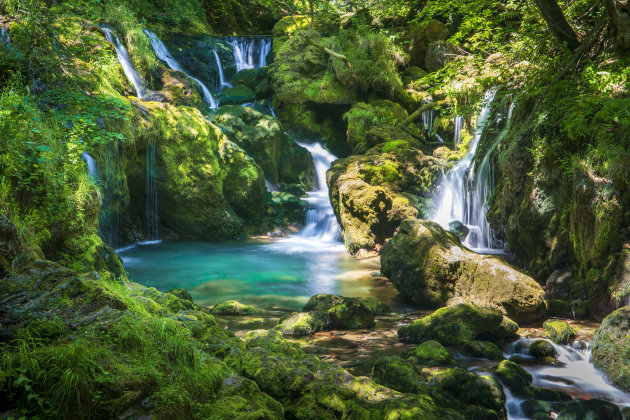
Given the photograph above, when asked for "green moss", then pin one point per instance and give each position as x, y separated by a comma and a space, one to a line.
611, 344
351, 314
396, 373
560, 332
363, 116
232, 307
542, 349
483, 349
302, 323
323, 303
431, 353
236, 95
515, 378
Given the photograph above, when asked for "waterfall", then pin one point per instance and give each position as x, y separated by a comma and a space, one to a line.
222, 82
321, 223
125, 62
163, 54
427, 120
250, 52
456, 200
4, 35
151, 192
459, 125
91, 166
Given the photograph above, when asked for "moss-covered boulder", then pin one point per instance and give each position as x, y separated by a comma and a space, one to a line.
459, 324
286, 210
324, 303
396, 373
372, 194
542, 349
179, 89
263, 137
421, 35
250, 77
430, 353
484, 350
590, 409
431, 267
232, 307
517, 379
302, 323
611, 347
351, 314
238, 94
560, 332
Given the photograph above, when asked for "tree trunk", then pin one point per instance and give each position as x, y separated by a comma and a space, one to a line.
552, 13
619, 15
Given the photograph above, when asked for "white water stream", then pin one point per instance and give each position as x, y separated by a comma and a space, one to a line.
163, 54
250, 52
125, 62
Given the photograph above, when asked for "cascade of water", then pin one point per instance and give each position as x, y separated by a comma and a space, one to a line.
222, 82
459, 124
4, 35
321, 223
125, 62
163, 54
427, 120
453, 203
151, 192
250, 52
91, 165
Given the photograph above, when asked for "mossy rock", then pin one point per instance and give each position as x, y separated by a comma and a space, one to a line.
232, 307
430, 353
181, 293
517, 379
179, 89
250, 77
302, 323
351, 314
421, 35
429, 266
324, 303
611, 347
560, 332
396, 373
459, 324
484, 350
541, 349
238, 94
590, 409
287, 209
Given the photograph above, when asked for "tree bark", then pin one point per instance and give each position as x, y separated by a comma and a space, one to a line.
552, 13
619, 15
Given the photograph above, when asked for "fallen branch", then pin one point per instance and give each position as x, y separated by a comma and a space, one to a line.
418, 112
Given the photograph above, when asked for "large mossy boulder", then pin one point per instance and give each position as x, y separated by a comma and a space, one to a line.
431, 267
351, 314
372, 194
302, 323
263, 137
560, 332
430, 353
324, 303
611, 347
517, 379
421, 35
232, 307
484, 350
459, 324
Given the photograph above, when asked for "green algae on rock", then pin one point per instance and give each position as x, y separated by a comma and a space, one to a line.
302, 323
351, 314
232, 307
431, 267
430, 353
324, 303
611, 347
459, 324
560, 332
483, 349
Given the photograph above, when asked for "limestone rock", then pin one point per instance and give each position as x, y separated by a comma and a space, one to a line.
431, 267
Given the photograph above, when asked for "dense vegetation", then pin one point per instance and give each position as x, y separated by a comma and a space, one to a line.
78, 339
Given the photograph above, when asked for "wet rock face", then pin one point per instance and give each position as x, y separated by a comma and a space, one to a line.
430, 266
372, 194
611, 347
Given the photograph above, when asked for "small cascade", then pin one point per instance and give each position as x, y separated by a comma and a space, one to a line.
455, 201
91, 165
459, 125
4, 35
125, 62
271, 187
321, 223
163, 54
427, 120
250, 52
222, 82
151, 192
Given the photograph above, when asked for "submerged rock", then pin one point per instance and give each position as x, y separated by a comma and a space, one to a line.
431, 267
560, 332
611, 347
459, 324
232, 307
